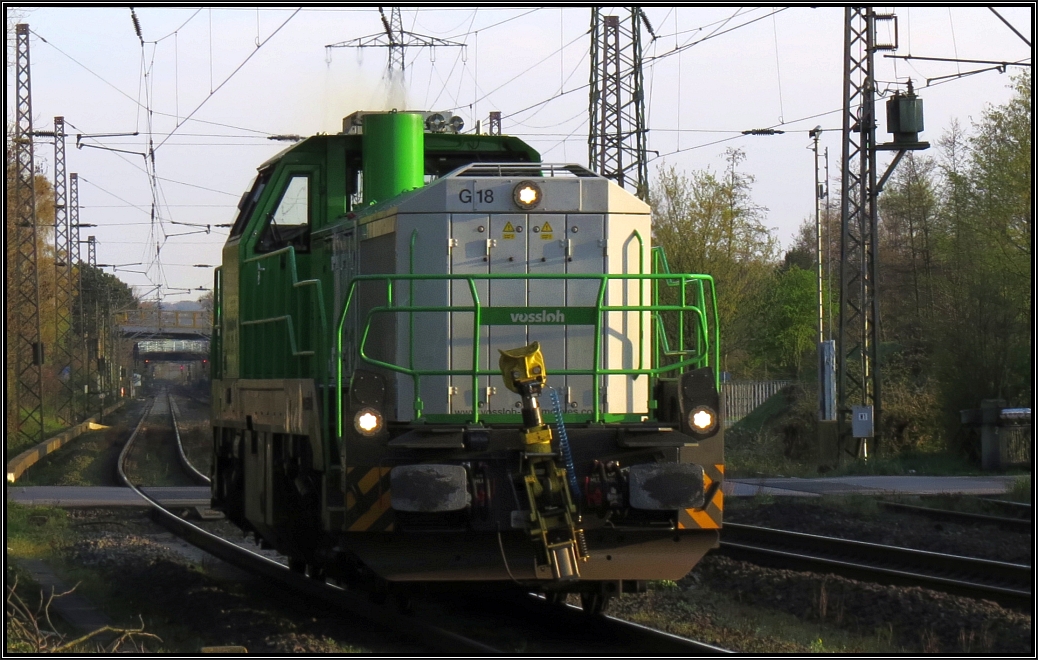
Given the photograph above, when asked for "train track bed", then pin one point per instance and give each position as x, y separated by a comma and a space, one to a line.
1009, 584
152, 458
191, 600
1013, 523
908, 619
196, 435
520, 624
128, 566
913, 618
863, 518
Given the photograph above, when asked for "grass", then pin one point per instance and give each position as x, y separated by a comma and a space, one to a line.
16, 443
1020, 490
907, 463
46, 532
86, 461
35, 532
40, 533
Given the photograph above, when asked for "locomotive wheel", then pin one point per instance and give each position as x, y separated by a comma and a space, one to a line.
316, 572
555, 597
297, 565
594, 603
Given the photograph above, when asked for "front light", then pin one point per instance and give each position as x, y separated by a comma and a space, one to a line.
702, 419
527, 195
368, 421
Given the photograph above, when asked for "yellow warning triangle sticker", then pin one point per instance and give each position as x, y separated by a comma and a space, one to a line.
509, 227
546, 227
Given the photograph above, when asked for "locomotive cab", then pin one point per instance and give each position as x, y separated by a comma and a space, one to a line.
361, 425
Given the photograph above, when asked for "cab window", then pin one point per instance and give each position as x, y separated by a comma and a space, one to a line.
248, 201
289, 223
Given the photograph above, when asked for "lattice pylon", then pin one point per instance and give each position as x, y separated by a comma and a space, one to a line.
80, 357
63, 291
25, 301
616, 113
858, 379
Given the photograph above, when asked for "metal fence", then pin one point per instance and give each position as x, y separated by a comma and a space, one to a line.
1016, 444
742, 397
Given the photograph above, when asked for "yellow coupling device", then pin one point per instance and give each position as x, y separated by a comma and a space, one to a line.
551, 504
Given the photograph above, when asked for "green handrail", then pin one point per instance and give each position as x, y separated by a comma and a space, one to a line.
477, 309
296, 283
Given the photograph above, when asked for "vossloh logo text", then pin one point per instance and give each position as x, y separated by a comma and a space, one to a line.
543, 316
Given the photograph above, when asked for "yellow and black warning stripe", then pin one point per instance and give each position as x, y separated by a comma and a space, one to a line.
708, 517
368, 506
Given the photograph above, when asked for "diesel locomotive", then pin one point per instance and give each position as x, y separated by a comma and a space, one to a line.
437, 359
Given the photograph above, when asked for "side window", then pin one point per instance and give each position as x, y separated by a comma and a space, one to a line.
289, 224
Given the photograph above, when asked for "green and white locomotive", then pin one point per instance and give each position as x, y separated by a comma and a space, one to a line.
438, 359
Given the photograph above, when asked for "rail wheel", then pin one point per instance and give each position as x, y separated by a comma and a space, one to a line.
555, 597
297, 565
594, 603
316, 572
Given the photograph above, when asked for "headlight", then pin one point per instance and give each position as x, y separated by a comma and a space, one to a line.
527, 195
702, 419
367, 421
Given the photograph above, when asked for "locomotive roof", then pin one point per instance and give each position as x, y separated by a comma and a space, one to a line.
444, 152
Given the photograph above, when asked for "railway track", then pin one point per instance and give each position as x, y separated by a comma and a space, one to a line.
174, 411
570, 630
1016, 509
1014, 524
1006, 583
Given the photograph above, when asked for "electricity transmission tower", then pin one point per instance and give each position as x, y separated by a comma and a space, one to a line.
616, 112
62, 281
397, 40
25, 298
80, 359
858, 394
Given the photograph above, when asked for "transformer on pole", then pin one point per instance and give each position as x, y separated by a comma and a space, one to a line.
616, 112
65, 404
25, 298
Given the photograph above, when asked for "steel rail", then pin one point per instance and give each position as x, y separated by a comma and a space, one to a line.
1004, 582
1024, 508
647, 641
257, 564
181, 456
1016, 524
539, 615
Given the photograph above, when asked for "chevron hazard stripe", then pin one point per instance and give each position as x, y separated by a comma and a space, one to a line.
708, 517
367, 500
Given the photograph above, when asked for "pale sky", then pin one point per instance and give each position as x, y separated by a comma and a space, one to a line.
241, 75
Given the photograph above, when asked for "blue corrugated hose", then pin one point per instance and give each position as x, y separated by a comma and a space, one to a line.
567, 457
